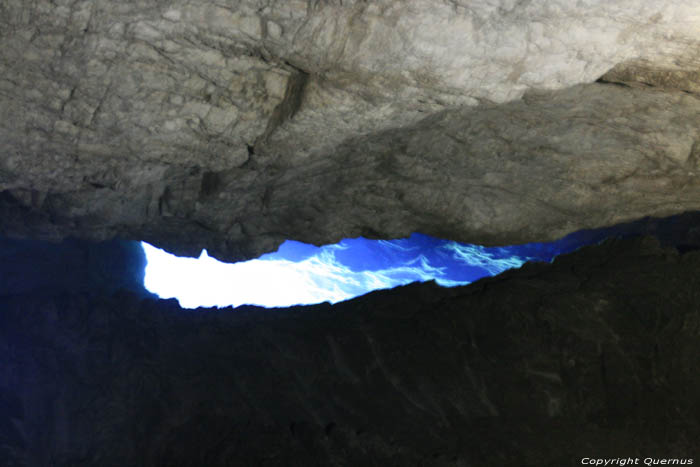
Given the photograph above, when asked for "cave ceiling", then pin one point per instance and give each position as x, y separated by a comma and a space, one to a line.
236, 125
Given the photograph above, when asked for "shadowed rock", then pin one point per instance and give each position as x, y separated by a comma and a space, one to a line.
597, 352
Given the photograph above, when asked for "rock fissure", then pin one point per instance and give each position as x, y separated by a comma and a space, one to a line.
290, 104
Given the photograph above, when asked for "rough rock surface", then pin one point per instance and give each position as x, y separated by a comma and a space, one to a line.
236, 125
593, 355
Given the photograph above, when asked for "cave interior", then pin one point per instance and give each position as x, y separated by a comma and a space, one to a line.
568, 132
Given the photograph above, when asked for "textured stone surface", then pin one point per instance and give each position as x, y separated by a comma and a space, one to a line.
593, 355
236, 125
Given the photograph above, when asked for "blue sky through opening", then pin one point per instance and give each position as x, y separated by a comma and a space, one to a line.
304, 274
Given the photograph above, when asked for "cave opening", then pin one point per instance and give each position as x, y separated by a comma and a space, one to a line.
296, 274
302, 274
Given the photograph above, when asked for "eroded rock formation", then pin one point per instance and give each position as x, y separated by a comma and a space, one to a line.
237, 125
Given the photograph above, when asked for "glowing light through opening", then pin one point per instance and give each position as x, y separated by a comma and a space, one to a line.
303, 274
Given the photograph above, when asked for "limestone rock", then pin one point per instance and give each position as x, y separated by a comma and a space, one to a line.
236, 125
529, 170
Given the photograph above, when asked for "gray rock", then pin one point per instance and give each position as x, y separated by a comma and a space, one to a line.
234, 126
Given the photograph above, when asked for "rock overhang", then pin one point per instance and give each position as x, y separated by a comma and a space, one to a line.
235, 127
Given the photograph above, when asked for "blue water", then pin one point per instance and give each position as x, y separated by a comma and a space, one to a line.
304, 274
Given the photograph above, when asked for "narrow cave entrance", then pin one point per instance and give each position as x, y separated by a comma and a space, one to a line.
299, 274
296, 273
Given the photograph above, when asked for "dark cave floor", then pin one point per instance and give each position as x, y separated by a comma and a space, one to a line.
596, 354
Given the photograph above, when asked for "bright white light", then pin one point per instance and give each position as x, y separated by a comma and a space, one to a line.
207, 282
303, 274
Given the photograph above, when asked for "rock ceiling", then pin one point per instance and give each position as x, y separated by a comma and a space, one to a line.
236, 125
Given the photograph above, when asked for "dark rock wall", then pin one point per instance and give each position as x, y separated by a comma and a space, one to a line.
596, 354
71, 266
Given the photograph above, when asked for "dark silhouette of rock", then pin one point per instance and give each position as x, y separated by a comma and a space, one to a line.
594, 355
71, 266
